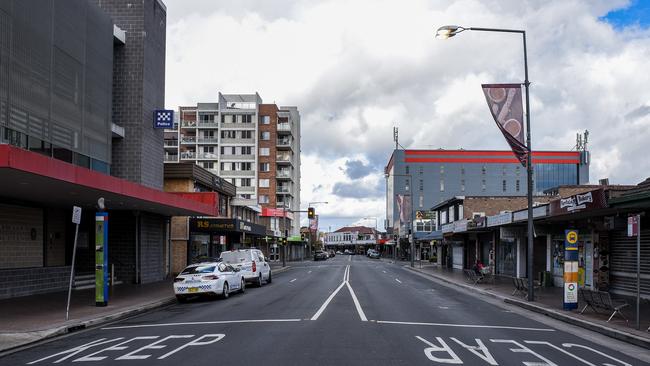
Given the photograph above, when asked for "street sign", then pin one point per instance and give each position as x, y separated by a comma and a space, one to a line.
570, 269
633, 225
76, 215
163, 118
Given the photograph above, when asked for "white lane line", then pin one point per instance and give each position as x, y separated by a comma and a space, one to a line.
322, 308
467, 326
398, 280
309, 272
204, 323
293, 280
362, 315
384, 271
443, 307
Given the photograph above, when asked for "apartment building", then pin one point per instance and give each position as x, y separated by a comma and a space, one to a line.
254, 146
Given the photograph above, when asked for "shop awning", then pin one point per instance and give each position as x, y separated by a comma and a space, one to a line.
31, 177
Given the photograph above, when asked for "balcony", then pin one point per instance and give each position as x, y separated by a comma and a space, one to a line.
188, 124
171, 158
245, 190
237, 173
238, 157
188, 155
208, 125
208, 140
237, 141
238, 126
171, 143
283, 174
283, 190
283, 159
188, 140
207, 156
284, 127
283, 143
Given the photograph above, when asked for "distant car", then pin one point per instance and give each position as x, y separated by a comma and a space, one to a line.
339, 252
374, 254
320, 255
209, 278
332, 254
251, 262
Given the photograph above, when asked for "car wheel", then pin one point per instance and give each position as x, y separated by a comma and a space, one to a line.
259, 281
226, 290
242, 289
182, 299
269, 279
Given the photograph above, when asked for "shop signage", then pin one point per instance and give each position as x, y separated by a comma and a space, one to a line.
226, 225
460, 226
570, 269
580, 202
163, 118
425, 215
500, 219
477, 223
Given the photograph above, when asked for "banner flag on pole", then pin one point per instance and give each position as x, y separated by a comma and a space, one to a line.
506, 107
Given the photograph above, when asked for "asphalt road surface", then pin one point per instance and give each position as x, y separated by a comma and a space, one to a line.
348, 310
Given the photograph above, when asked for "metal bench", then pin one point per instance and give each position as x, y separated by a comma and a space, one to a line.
602, 300
521, 286
472, 276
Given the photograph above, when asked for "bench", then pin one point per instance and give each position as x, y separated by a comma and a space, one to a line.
521, 286
601, 300
472, 276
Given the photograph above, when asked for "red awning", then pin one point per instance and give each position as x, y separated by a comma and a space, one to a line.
28, 176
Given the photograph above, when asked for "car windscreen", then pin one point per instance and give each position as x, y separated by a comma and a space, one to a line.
235, 257
198, 269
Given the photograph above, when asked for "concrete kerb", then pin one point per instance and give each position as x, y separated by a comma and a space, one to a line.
22, 341
613, 333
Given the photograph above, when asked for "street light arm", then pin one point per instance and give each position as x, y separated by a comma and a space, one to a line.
502, 30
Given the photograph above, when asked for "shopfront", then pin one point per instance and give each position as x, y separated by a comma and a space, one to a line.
211, 236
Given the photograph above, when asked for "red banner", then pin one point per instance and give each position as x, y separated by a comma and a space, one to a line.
505, 105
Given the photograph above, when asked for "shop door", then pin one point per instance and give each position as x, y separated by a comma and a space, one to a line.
539, 255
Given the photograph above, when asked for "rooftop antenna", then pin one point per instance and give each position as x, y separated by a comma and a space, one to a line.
584, 146
396, 137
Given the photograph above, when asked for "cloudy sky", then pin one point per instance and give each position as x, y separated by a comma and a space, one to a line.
356, 68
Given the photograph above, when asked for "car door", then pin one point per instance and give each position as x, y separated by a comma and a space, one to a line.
261, 263
229, 273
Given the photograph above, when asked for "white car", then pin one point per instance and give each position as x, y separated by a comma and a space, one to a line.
252, 264
210, 278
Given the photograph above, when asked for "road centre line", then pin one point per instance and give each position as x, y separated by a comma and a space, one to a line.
467, 326
329, 299
293, 280
362, 315
204, 323
398, 280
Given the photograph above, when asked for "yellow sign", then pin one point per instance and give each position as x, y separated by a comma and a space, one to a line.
572, 237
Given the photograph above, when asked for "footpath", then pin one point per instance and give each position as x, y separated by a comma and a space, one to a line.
548, 301
29, 319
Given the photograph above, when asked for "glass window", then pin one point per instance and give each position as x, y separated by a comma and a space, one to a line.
62, 154
517, 184
263, 198
266, 135
264, 151
504, 185
264, 183
266, 120
462, 185
199, 269
442, 185
265, 167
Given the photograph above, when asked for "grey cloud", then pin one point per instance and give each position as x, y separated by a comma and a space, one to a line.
356, 169
642, 111
358, 189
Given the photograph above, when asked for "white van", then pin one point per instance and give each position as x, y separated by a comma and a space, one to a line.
254, 267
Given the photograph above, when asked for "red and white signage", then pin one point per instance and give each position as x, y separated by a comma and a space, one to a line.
633, 225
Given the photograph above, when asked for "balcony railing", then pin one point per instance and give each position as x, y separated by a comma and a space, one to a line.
283, 174
284, 158
238, 126
188, 155
208, 125
188, 124
207, 155
171, 143
208, 140
283, 189
237, 173
238, 157
284, 142
171, 157
188, 140
237, 141
284, 127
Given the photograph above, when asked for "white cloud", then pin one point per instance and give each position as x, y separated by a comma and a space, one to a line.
356, 69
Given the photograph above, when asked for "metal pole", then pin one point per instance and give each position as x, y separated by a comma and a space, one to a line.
284, 247
529, 171
638, 271
74, 254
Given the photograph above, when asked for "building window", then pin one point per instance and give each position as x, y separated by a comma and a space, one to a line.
263, 198
504, 185
517, 185
503, 170
517, 170
264, 183
421, 185
266, 120
462, 169
421, 170
407, 169
483, 185
442, 185
462, 185
266, 135
265, 167
483, 170
264, 151
421, 201
442, 169
408, 184
244, 182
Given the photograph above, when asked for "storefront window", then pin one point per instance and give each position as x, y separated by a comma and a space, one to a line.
199, 247
507, 257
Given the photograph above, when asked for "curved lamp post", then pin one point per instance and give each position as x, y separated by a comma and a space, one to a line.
449, 31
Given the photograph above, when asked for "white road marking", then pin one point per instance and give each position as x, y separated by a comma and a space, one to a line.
443, 307
362, 315
398, 280
384, 271
327, 302
309, 272
204, 323
467, 326
293, 280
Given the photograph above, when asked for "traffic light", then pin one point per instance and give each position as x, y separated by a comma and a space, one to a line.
284, 241
302, 236
311, 213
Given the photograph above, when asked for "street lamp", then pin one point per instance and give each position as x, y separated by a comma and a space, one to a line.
449, 31
408, 188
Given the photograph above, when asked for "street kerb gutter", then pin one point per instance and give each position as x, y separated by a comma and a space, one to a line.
613, 333
47, 334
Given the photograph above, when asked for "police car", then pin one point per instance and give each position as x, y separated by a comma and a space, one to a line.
252, 264
209, 278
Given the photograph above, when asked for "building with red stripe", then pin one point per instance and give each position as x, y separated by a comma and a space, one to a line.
417, 180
